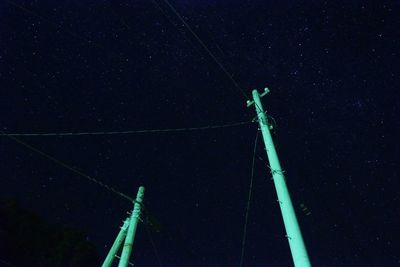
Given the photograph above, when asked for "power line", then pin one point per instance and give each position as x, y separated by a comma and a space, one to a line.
153, 244
66, 166
248, 201
133, 131
177, 28
205, 48
203, 45
90, 42
80, 173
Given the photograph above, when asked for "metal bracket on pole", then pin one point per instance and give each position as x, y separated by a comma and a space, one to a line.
129, 263
250, 102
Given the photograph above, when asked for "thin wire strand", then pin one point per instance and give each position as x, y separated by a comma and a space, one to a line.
134, 131
153, 244
177, 28
248, 202
207, 49
88, 41
204, 46
66, 166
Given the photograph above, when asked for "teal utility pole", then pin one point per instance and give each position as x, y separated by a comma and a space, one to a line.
126, 235
117, 244
130, 235
293, 233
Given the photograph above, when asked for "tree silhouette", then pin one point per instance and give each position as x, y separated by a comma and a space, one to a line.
28, 240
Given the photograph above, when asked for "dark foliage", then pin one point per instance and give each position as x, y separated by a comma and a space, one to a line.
28, 240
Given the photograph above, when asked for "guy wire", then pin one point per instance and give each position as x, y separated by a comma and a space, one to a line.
248, 201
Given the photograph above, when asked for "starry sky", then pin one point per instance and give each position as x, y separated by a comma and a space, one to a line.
99, 66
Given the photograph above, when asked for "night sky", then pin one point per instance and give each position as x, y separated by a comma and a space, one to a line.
333, 69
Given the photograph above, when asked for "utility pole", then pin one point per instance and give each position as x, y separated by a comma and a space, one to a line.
130, 235
293, 233
117, 244
126, 234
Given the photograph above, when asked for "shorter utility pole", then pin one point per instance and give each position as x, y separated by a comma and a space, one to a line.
293, 233
117, 244
126, 234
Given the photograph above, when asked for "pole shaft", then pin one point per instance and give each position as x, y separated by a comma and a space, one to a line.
296, 243
117, 244
130, 236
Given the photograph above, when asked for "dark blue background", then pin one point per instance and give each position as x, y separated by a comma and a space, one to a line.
85, 66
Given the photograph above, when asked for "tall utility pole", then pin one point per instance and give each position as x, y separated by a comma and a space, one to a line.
293, 233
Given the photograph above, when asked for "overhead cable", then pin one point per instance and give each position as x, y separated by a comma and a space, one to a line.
133, 131
205, 48
66, 166
248, 202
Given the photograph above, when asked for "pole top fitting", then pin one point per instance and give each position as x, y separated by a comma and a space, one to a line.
250, 102
266, 91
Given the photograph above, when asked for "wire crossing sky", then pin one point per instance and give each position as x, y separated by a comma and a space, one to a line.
133, 131
68, 167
